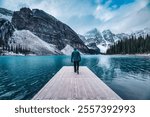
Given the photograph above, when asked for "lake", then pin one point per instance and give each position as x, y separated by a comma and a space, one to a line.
22, 77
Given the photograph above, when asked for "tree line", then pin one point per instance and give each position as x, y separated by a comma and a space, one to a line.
132, 45
13, 48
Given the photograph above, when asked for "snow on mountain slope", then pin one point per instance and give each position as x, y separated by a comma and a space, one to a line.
28, 40
142, 33
111, 37
121, 36
102, 40
93, 36
47, 28
67, 50
6, 30
102, 48
108, 35
6, 17
105, 39
82, 38
6, 14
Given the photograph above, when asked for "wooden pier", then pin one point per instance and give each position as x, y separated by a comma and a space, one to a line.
67, 85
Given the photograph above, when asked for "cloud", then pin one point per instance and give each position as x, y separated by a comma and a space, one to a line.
83, 15
127, 18
58, 8
103, 12
83, 24
78, 14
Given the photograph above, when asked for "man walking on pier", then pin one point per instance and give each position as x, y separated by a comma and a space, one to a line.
76, 58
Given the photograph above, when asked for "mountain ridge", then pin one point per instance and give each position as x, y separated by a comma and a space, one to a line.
47, 28
103, 40
51, 32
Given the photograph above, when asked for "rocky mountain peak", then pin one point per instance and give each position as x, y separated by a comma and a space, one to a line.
93, 32
25, 12
48, 28
41, 14
108, 35
108, 38
93, 36
143, 33
107, 31
122, 36
6, 30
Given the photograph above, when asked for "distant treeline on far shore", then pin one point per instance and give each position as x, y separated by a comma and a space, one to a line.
133, 45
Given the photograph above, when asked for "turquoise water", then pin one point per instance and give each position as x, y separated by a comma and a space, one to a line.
22, 77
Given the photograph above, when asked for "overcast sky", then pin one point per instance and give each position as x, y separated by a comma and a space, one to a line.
84, 15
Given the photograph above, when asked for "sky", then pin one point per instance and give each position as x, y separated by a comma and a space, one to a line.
84, 15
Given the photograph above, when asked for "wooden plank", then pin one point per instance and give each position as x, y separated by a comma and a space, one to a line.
68, 85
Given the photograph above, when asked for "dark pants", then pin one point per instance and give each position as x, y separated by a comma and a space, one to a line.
76, 66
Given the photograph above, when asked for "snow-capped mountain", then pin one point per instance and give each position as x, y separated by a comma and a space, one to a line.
47, 28
6, 30
67, 50
43, 34
37, 32
122, 36
93, 36
11, 38
108, 36
82, 38
98, 41
27, 39
143, 33
95, 39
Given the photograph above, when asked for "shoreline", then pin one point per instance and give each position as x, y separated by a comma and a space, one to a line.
83, 54
131, 54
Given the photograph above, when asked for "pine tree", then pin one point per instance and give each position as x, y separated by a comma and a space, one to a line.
131, 46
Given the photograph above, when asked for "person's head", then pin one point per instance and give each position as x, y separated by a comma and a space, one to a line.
75, 49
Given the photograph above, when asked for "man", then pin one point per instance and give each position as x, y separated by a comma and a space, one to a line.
76, 58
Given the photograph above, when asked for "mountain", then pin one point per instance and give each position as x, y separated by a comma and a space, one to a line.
82, 38
36, 32
47, 28
11, 38
67, 50
99, 42
6, 14
143, 33
93, 36
6, 31
122, 36
111, 37
27, 39
91, 42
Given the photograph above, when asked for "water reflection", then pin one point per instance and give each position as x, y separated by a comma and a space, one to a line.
128, 76
104, 61
23, 77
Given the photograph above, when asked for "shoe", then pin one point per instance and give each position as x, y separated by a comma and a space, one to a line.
77, 72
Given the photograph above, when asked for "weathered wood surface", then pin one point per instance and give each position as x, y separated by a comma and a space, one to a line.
67, 85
